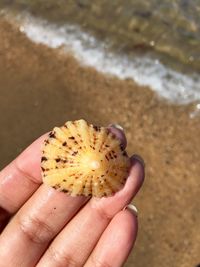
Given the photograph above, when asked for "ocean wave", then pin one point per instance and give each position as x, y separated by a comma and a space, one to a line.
175, 87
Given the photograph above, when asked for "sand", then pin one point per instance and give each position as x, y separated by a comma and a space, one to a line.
40, 88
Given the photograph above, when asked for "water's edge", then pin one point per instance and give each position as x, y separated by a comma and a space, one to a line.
168, 30
167, 83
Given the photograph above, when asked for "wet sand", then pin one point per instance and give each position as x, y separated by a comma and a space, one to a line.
40, 88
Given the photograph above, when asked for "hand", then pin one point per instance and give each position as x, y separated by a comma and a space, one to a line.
52, 229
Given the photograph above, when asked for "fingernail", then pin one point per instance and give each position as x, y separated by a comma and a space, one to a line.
132, 208
138, 158
117, 126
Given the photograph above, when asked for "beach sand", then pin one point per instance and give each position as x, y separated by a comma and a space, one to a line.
41, 88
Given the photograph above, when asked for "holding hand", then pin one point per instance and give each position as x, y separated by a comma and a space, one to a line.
52, 229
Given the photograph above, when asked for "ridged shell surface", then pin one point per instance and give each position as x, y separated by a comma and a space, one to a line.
82, 159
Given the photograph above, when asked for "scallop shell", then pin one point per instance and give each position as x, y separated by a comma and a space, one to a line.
81, 159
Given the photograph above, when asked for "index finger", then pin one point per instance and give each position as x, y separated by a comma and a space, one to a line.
21, 178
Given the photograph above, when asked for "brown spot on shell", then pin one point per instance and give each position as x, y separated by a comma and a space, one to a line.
43, 159
97, 128
52, 135
64, 190
56, 186
46, 142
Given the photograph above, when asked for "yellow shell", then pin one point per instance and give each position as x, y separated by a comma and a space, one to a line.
81, 159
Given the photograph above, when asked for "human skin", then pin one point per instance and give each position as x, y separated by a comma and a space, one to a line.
50, 228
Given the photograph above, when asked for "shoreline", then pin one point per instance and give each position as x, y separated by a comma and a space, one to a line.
89, 51
41, 87
135, 25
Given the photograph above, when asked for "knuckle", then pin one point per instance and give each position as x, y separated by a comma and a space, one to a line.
62, 259
21, 170
101, 212
36, 230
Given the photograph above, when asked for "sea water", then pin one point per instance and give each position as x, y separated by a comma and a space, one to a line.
173, 77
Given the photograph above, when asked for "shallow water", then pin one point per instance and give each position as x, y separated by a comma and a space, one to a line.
168, 83
169, 30
154, 43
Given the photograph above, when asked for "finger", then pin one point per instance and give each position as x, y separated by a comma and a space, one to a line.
25, 238
118, 131
21, 178
116, 242
76, 241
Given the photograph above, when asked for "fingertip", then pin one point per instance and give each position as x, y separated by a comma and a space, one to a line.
118, 131
136, 176
131, 221
137, 163
128, 221
137, 158
116, 241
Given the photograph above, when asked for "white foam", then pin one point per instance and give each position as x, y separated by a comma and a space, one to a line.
173, 86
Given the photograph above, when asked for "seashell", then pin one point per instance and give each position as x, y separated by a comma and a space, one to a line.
81, 159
